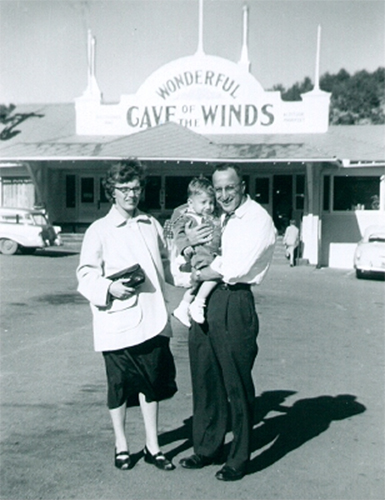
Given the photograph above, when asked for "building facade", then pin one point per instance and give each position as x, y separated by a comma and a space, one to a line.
187, 116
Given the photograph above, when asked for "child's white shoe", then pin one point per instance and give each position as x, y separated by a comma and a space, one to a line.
181, 313
197, 310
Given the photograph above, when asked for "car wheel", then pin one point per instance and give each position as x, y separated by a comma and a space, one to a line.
27, 250
8, 247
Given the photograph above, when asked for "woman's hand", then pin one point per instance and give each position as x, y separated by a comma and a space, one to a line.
120, 291
199, 234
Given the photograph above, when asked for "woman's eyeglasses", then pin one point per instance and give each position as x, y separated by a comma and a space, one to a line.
127, 190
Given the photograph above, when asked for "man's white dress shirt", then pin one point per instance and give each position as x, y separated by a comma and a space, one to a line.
248, 241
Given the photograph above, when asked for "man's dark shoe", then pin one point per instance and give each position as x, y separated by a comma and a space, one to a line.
196, 461
228, 473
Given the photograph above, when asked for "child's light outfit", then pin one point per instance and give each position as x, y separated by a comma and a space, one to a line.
203, 255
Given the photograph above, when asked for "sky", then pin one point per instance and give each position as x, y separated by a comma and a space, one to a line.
43, 44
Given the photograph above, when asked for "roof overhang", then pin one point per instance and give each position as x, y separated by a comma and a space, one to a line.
52, 137
346, 163
5, 162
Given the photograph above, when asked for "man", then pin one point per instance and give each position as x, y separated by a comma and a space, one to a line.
223, 349
291, 241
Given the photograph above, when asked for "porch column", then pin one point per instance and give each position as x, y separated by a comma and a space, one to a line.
311, 223
35, 171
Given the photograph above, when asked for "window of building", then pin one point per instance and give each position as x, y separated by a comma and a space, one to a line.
17, 192
87, 190
151, 195
300, 192
176, 191
326, 193
70, 191
356, 193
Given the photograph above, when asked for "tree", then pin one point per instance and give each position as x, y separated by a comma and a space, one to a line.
357, 99
11, 121
5, 111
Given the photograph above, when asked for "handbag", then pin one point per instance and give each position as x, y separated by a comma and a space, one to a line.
131, 276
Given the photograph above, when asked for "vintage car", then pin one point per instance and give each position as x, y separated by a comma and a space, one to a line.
26, 230
369, 257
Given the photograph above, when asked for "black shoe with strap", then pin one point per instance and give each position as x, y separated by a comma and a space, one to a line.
159, 460
122, 460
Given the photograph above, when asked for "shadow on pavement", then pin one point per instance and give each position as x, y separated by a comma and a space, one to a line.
59, 299
183, 432
373, 276
43, 253
303, 421
55, 253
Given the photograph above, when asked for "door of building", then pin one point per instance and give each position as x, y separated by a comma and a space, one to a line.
282, 201
93, 203
262, 190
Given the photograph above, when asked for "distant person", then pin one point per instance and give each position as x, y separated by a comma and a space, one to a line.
375, 203
200, 209
131, 325
291, 241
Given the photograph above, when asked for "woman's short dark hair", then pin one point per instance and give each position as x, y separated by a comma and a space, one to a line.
122, 172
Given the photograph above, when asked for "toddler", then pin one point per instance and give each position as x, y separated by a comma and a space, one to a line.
200, 209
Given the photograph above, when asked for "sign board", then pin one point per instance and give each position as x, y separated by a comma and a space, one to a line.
207, 94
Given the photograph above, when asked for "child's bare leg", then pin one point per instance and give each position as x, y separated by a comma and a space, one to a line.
196, 309
182, 311
188, 296
205, 289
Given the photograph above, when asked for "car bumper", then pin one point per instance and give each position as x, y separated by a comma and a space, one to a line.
370, 268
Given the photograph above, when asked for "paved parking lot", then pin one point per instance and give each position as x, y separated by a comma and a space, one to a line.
319, 419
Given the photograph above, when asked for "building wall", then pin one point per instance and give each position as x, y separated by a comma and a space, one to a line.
341, 233
342, 229
329, 236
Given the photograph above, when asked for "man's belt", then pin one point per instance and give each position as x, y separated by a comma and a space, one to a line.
236, 286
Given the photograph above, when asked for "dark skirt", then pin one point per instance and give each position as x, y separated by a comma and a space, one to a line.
147, 368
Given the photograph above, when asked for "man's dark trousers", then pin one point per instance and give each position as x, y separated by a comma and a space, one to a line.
222, 353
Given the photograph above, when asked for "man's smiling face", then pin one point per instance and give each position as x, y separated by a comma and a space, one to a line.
229, 189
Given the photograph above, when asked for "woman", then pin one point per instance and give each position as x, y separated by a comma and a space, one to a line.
131, 325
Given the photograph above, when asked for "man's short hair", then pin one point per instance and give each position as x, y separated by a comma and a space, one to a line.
200, 185
220, 167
